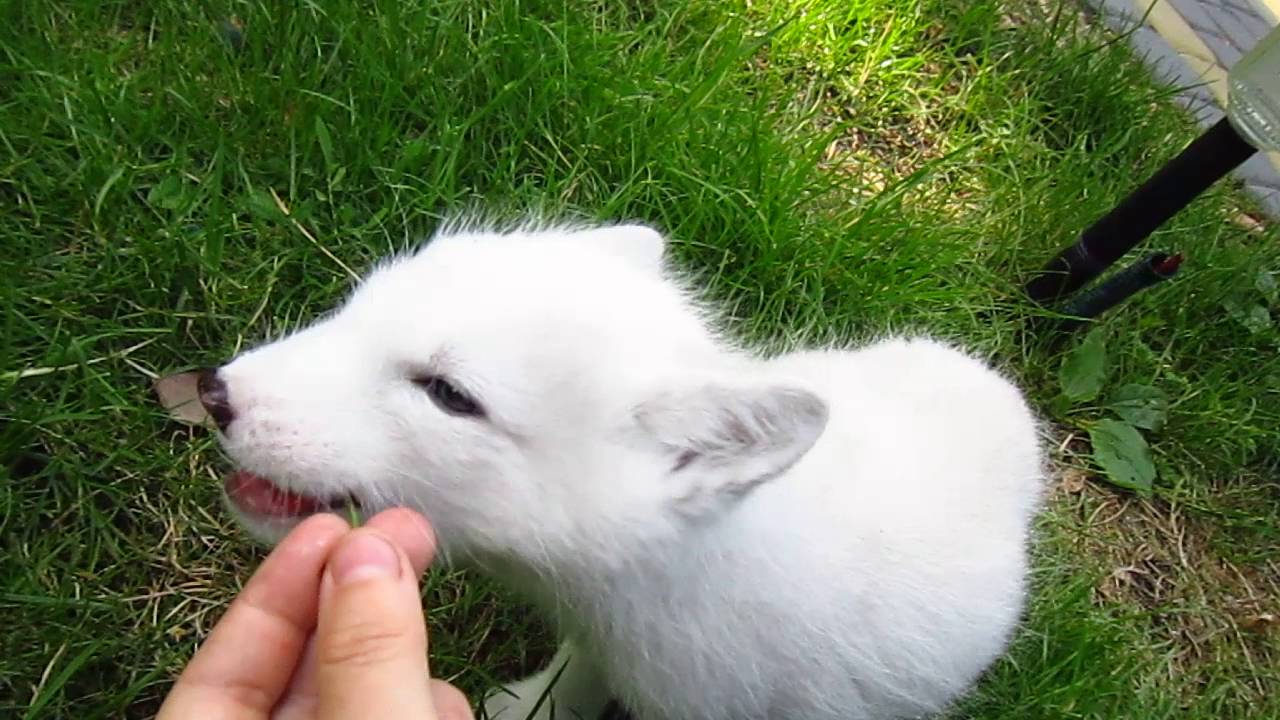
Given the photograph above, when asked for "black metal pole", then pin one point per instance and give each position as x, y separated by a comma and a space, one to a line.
1121, 286
1207, 159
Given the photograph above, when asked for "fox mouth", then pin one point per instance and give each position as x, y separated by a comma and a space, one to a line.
260, 497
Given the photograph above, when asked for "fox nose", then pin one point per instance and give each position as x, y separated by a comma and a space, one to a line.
214, 397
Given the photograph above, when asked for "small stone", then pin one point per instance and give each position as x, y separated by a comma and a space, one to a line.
233, 32
1074, 481
1260, 623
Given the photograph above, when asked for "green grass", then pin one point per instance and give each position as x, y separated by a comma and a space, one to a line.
868, 166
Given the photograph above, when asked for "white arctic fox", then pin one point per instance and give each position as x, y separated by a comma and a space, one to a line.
821, 535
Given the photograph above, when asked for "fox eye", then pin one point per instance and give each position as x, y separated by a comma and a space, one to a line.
448, 397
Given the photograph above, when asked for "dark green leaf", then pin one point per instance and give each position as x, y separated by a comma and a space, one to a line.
112, 179
1085, 369
1258, 319
57, 683
261, 204
326, 144
1060, 404
214, 243
1141, 405
1123, 454
167, 194
1266, 284
414, 154
1254, 317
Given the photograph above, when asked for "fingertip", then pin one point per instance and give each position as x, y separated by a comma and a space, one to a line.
449, 702
411, 532
365, 553
320, 525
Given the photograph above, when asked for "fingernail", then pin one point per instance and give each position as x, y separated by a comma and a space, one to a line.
365, 555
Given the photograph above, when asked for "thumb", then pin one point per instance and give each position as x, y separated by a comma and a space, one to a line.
370, 638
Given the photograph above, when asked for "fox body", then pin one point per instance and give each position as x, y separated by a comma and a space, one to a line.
715, 533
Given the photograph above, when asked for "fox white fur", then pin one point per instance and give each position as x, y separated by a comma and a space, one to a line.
715, 533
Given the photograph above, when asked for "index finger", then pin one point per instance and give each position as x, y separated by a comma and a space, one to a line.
246, 662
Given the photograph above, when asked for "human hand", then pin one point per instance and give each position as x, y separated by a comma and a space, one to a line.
330, 626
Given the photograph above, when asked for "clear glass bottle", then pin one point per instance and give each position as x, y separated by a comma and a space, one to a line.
1253, 94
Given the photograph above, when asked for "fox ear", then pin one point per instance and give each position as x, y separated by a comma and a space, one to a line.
638, 244
723, 440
